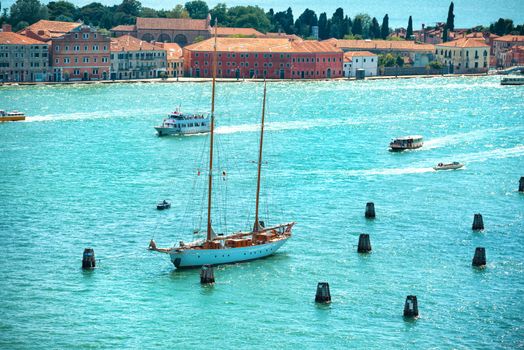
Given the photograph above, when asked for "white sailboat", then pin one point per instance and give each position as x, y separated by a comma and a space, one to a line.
239, 246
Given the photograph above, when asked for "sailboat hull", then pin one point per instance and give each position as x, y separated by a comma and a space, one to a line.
195, 258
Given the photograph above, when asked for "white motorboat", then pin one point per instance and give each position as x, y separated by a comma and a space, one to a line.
512, 81
448, 166
178, 123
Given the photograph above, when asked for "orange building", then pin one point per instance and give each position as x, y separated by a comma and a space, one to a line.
175, 59
80, 54
279, 58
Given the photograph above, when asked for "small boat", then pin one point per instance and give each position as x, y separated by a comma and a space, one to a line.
178, 123
406, 142
448, 166
512, 81
163, 205
11, 116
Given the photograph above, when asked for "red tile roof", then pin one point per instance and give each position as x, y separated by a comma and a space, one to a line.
348, 56
392, 45
282, 35
481, 35
465, 43
174, 51
227, 31
511, 38
50, 29
263, 45
130, 43
10, 38
171, 23
124, 28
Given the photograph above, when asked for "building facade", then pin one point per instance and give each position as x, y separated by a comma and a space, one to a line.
465, 55
264, 57
419, 54
502, 47
132, 58
354, 60
182, 31
22, 58
81, 54
175, 59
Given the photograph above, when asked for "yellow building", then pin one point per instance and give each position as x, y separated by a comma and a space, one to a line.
465, 55
175, 59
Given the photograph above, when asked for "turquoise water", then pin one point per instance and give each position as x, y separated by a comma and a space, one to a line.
86, 170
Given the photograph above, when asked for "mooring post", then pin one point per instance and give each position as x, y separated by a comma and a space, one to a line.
478, 223
364, 243
323, 294
207, 275
521, 184
88, 259
411, 306
370, 210
479, 259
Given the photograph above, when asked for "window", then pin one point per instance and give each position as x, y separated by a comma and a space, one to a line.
85, 48
76, 59
76, 48
85, 36
66, 60
67, 48
57, 48
76, 72
85, 60
95, 70
95, 47
76, 35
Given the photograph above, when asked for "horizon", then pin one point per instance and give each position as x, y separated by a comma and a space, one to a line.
468, 13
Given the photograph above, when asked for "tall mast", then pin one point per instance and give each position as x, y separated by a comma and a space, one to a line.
210, 180
256, 227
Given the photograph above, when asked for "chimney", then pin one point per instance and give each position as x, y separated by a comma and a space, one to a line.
6, 28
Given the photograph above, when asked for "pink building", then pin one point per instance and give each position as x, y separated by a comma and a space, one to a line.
80, 54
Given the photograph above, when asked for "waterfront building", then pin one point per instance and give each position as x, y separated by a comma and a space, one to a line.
45, 30
182, 31
489, 39
80, 54
419, 54
464, 55
264, 57
132, 58
22, 58
503, 49
175, 59
354, 60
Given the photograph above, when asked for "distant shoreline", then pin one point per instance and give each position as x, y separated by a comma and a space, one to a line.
232, 80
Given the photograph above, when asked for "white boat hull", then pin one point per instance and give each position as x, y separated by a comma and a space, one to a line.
185, 258
162, 131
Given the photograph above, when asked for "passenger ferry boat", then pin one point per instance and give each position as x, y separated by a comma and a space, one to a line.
239, 246
512, 81
184, 124
11, 116
406, 142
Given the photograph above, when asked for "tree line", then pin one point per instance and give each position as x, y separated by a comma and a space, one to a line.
25, 12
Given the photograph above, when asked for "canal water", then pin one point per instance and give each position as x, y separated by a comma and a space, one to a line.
86, 170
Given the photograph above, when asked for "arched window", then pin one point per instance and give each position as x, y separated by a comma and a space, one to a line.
164, 38
180, 39
148, 37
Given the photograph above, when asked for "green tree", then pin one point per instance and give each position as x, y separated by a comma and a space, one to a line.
197, 9
94, 12
130, 7
399, 61
29, 11
20, 25
357, 26
304, 22
374, 31
148, 12
338, 27
366, 23
323, 32
387, 60
219, 13
445, 34
502, 26
178, 11
248, 17
284, 21
450, 22
409, 31
384, 29
62, 8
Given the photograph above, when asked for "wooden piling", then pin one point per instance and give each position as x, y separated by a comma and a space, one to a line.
411, 306
521, 184
364, 243
478, 223
370, 210
207, 276
323, 294
479, 259
88, 259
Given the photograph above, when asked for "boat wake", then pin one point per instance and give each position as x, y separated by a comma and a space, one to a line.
499, 153
85, 116
290, 125
458, 138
